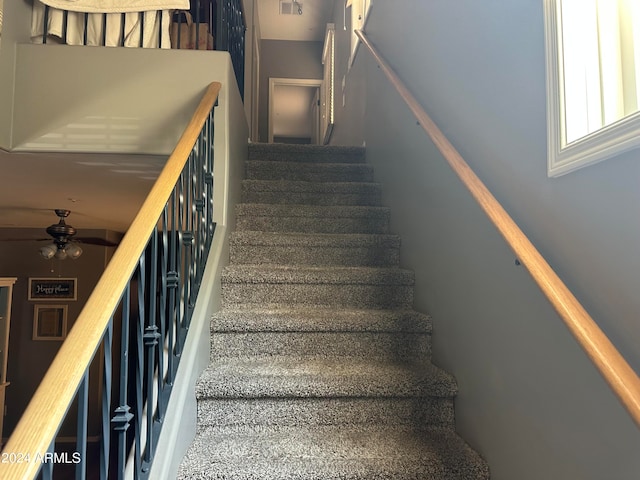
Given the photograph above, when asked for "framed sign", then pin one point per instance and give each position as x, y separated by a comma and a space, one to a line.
52, 288
49, 322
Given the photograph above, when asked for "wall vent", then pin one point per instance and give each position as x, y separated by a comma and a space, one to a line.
286, 8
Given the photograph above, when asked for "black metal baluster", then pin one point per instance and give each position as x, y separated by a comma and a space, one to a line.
230, 29
181, 301
142, 15
151, 337
160, 28
86, 28
209, 179
195, 223
163, 303
82, 432
123, 25
123, 414
200, 210
45, 26
197, 22
104, 29
203, 207
139, 371
107, 376
179, 30
65, 25
173, 280
187, 240
47, 462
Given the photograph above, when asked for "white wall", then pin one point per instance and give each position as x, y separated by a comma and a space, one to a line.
15, 28
530, 401
147, 94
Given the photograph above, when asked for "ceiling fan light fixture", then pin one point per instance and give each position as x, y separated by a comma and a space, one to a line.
73, 250
49, 251
62, 247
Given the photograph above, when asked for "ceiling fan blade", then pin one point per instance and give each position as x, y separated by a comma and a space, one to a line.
95, 241
25, 239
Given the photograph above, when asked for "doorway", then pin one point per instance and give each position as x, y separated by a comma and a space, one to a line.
294, 114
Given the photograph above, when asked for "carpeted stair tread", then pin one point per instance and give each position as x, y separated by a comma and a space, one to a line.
278, 377
312, 218
416, 412
328, 211
306, 153
299, 186
335, 240
339, 249
305, 453
316, 319
255, 247
311, 275
309, 172
378, 346
307, 332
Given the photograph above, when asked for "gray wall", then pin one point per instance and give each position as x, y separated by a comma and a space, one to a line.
530, 401
284, 59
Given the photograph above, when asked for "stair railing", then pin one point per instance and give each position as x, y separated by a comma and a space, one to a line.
132, 327
622, 379
230, 35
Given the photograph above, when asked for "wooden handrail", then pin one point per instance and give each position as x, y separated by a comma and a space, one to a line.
614, 368
43, 416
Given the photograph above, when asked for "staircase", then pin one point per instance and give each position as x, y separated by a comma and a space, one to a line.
320, 369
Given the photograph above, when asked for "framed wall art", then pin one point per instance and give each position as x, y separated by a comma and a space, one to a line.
49, 322
53, 289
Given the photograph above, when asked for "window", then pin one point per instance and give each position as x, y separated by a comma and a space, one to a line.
593, 81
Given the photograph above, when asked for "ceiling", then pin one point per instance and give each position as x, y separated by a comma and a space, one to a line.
309, 26
105, 191
102, 191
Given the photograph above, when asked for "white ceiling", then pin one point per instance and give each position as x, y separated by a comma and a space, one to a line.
102, 191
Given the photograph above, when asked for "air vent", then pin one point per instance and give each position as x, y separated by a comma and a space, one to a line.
286, 8
290, 8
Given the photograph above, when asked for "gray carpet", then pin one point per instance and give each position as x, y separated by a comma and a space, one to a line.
320, 368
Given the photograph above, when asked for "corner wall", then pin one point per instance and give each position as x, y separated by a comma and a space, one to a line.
284, 59
530, 401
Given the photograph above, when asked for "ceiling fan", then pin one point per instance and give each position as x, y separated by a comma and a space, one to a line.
65, 244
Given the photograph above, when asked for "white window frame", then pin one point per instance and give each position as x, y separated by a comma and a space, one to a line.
605, 143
